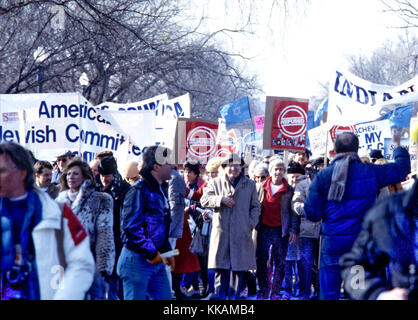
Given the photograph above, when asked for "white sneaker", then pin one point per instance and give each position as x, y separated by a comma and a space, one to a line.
185, 291
193, 292
244, 293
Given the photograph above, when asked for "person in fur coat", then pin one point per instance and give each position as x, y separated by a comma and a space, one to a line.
95, 211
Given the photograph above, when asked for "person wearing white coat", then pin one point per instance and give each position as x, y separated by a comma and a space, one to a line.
45, 251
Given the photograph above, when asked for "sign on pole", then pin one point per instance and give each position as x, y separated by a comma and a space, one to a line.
285, 123
195, 139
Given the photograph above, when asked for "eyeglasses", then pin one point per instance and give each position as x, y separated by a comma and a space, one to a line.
260, 177
63, 160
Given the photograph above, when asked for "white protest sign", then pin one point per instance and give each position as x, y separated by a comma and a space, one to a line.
389, 147
59, 121
371, 135
352, 99
318, 140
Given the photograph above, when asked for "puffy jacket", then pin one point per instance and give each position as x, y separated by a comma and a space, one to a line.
79, 271
386, 242
364, 180
145, 220
308, 229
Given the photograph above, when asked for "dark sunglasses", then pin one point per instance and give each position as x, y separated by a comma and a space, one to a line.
63, 160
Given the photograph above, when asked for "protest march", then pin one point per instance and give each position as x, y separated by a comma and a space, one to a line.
141, 201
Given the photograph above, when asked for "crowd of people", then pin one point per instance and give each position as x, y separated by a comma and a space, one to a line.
276, 229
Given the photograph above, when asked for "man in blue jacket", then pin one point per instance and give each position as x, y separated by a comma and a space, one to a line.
145, 227
340, 195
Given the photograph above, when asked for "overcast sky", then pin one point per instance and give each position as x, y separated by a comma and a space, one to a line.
293, 54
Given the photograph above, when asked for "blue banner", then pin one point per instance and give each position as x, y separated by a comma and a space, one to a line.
236, 111
399, 117
323, 107
310, 125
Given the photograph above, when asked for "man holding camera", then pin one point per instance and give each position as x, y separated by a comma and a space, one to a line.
44, 249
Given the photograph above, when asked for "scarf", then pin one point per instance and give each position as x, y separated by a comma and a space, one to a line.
339, 175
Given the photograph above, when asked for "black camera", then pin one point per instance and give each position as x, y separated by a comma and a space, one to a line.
15, 284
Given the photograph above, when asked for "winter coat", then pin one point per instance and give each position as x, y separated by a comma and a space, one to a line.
95, 211
307, 229
117, 190
341, 221
176, 196
385, 245
53, 190
79, 270
289, 220
145, 219
231, 245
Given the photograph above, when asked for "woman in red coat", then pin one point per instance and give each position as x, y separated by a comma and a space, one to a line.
185, 262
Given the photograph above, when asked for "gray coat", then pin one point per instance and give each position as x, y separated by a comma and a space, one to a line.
231, 245
308, 229
176, 194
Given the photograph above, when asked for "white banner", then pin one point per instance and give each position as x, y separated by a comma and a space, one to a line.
59, 121
166, 117
145, 105
352, 99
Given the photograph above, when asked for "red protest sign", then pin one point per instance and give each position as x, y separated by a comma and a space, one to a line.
196, 139
336, 130
285, 123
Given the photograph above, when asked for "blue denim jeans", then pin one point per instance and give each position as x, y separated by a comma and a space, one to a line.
267, 236
330, 280
227, 285
308, 248
141, 279
114, 288
97, 289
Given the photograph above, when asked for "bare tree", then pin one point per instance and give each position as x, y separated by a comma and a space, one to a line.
407, 10
393, 63
129, 49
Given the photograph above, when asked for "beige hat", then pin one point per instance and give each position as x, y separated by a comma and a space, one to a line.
214, 164
131, 169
